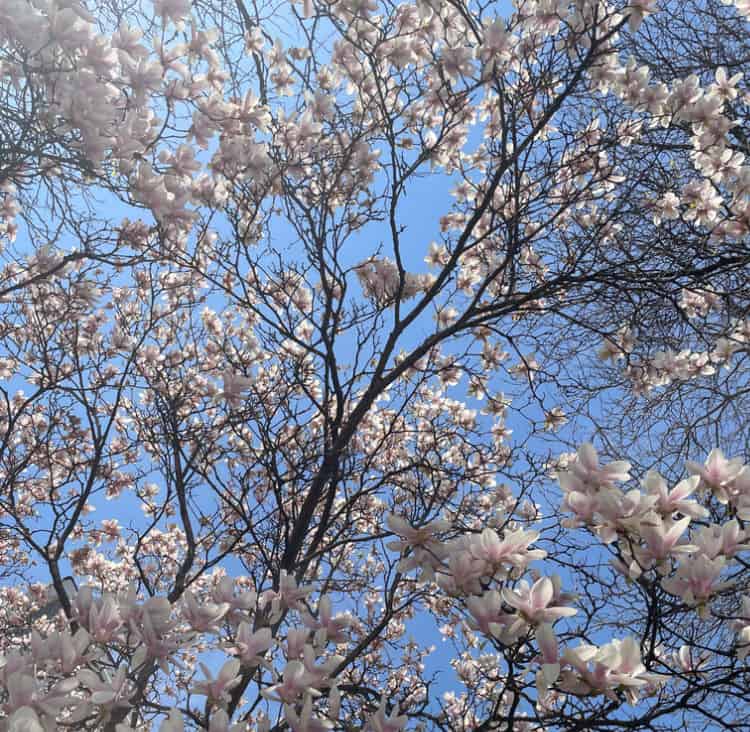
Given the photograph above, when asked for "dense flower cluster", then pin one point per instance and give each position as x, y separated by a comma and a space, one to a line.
291, 323
652, 528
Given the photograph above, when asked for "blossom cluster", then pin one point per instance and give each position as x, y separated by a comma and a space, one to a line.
382, 281
659, 531
95, 674
182, 394
480, 569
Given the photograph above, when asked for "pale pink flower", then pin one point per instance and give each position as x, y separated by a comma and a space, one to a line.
382, 722
319, 675
174, 10
662, 536
512, 549
233, 385
486, 611
249, 646
296, 640
616, 665
534, 603
219, 722
294, 683
717, 471
426, 548
675, 500
204, 617
305, 721
239, 604
110, 692
726, 540
587, 469
217, 689
637, 10
290, 593
327, 626
697, 580
464, 573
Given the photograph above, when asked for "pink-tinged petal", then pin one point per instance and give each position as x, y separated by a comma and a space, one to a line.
229, 671
545, 638
588, 456
654, 483
550, 672
694, 468
685, 487
397, 525
619, 470
677, 531
542, 593
550, 614
580, 656
570, 483
512, 598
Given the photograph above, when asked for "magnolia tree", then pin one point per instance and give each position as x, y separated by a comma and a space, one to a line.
326, 331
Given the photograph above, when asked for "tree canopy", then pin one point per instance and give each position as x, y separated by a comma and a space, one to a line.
374, 366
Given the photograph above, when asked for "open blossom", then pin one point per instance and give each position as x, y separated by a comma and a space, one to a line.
290, 593
203, 616
662, 537
382, 282
320, 675
487, 614
534, 603
218, 688
616, 348
587, 471
63, 649
305, 720
717, 471
233, 387
328, 627
697, 580
257, 370
295, 683
618, 512
464, 572
726, 540
240, 604
158, 642
512, 550
23, 690
637, 10
220, 723
425, 549
382, 721
614, 666
249, 645
174, 10
674, 500
108, 692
